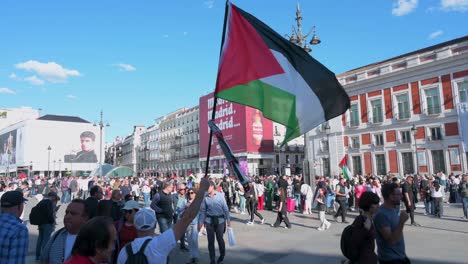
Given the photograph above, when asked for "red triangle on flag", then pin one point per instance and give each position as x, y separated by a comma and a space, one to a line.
344, 161
245, 56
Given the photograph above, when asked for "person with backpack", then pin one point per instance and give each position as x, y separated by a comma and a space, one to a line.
43, 215
358, 239
148, 248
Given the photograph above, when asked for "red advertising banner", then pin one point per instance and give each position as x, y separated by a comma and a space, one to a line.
244, 128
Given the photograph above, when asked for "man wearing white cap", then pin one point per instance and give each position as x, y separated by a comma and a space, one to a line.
157, 248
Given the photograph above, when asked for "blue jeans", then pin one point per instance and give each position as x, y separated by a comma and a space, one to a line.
465, 206
164, 224
297, 197
428, 206
45, 231
192, 235
242, 203
65, 196
146, 197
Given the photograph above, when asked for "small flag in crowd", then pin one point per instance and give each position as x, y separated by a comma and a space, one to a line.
261, 69
344, 168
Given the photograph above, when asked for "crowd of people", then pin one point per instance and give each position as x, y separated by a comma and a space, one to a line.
184, 208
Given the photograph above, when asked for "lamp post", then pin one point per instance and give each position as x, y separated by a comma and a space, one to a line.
299, 39
101, 126
60, 168
327, 131
30, 169
53, 168
48, 160
414, 131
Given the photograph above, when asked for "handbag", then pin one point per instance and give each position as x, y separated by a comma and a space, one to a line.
231, 238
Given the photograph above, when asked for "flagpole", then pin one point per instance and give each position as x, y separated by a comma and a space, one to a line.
213, 115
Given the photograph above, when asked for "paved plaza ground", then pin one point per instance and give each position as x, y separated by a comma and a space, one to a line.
436, 241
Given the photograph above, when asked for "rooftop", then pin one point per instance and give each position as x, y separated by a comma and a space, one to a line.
59, 118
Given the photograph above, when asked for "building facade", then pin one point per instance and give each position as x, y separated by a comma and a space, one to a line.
403, 116
289, 159
187, 155
130, 149
170, 143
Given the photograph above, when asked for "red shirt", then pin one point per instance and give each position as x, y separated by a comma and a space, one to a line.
126, 235
78, 259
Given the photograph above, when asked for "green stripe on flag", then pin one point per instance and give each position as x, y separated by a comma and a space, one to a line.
276, 104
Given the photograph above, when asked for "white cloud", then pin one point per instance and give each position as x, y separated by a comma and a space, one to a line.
209, 3
435, 34
34, 80
6, 91
50, 71
71, 96
13, 76
404, 7
455, 5
125, 67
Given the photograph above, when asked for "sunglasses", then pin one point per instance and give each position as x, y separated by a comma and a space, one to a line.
191, 192
181, 189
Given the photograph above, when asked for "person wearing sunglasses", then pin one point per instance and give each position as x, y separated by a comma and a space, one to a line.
192, 230
126, 231
180, 202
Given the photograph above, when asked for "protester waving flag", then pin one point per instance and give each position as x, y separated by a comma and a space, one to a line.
261, 69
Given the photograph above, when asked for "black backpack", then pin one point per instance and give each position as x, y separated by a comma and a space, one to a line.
139, 257
36, 217
347, 247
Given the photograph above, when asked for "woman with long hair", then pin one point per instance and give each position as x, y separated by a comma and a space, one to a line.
282, 212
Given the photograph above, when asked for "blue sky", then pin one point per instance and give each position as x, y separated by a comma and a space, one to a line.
138, 60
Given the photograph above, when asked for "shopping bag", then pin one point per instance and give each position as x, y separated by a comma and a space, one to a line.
232, 240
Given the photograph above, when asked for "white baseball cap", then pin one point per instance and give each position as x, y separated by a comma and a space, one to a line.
145, 219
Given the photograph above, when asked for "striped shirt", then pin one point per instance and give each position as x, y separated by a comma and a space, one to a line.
13, 240
54, 251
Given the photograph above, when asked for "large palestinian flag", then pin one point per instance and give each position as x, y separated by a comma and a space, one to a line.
261, 69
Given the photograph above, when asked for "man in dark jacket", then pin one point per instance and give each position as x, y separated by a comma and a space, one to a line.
163, 205
410, 198
46, 222
92, 201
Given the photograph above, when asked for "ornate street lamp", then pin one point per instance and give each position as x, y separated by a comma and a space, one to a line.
298, 38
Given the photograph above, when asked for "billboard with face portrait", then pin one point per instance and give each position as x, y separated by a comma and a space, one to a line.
73, 145
8, 148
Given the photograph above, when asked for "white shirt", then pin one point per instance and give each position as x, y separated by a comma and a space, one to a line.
69, 241
156, 251
83, 184
146, 189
